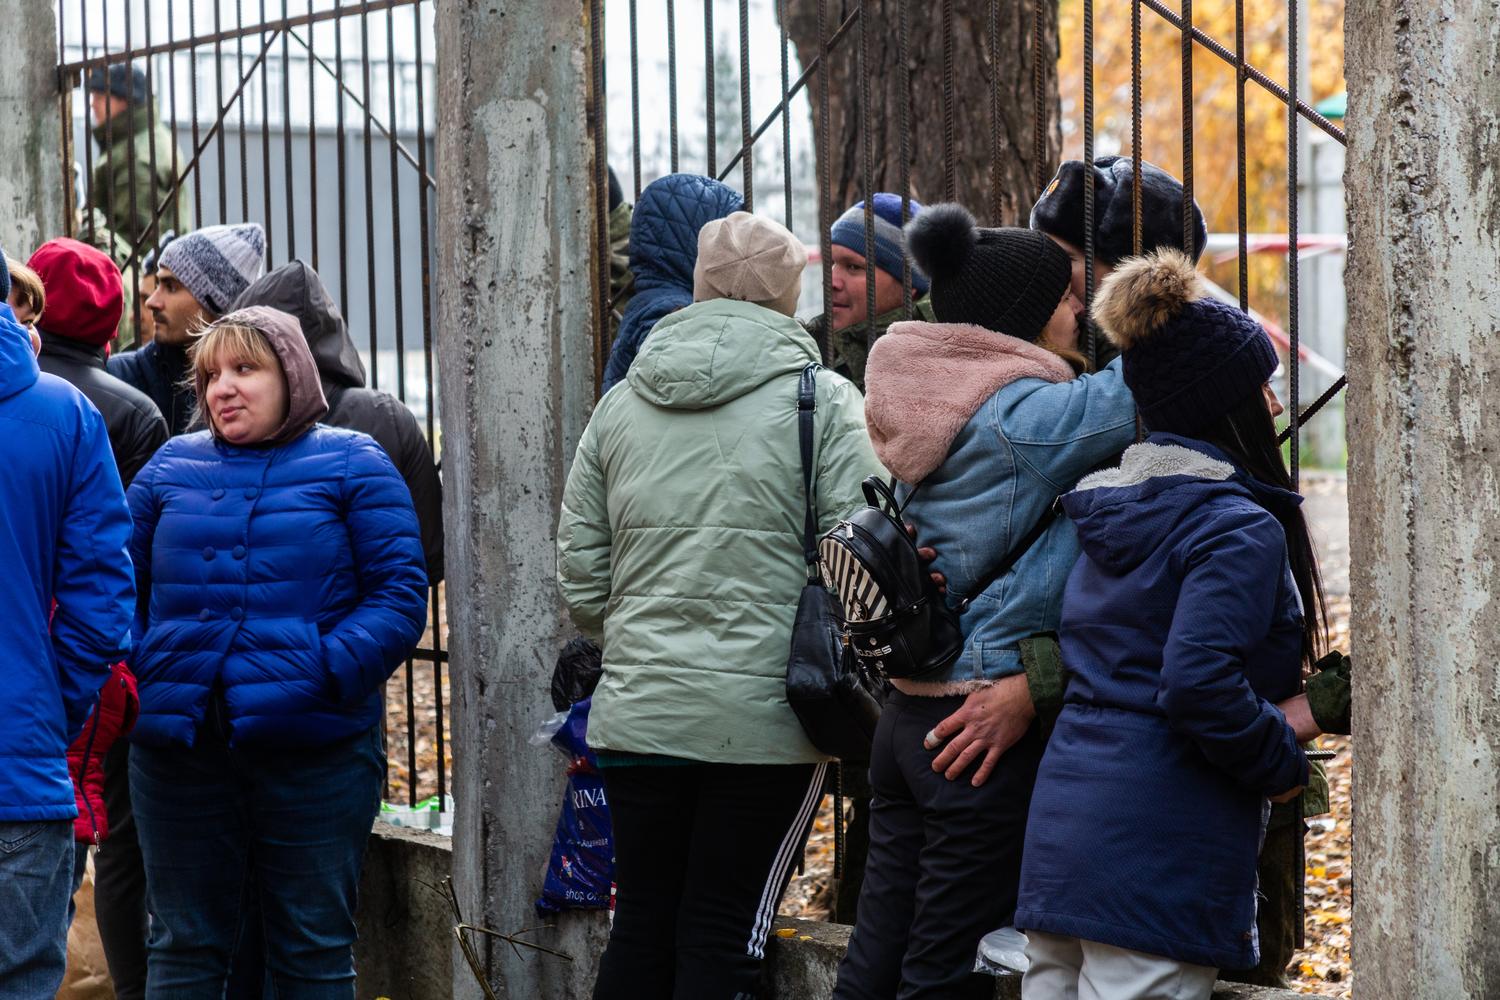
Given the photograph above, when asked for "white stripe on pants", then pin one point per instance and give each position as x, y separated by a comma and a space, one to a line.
786, 855
1069, 968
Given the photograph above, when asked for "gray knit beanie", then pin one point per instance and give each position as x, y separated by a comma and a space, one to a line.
217, 263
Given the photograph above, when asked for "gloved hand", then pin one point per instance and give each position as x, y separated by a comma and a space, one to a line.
1328, 693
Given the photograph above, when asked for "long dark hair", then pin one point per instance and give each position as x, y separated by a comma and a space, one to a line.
1248, 434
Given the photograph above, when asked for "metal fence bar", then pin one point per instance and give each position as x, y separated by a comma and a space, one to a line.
343, 165
997, 195
1039, 93
1135, 127
786, 120
1091, 350
903, 145
193, 110
425, 237
950, 174
710, 64
825, 177
1189, 231
219, 97
747, 141
1305, 110
312, 142
1242, 216
867, 170
599, 126
672, 78
290, 188
1293, 274
265, 152
803, 80
372, 315
219, 35
635, 100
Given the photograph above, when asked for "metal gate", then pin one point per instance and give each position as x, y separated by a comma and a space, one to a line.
311, 118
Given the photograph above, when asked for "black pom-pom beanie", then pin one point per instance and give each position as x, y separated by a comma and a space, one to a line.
1007, 280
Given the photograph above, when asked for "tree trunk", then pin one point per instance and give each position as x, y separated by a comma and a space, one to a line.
993, 170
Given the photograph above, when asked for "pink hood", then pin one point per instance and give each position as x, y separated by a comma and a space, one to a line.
925, 381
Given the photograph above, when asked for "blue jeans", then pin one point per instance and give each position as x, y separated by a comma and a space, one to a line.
36, 874
216, 824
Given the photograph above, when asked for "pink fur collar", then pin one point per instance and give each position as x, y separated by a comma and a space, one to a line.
924, 381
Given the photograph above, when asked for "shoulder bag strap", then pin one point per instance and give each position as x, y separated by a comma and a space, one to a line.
1014, 555
807, 402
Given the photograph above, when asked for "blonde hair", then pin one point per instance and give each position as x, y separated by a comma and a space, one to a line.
234, 341
28, 284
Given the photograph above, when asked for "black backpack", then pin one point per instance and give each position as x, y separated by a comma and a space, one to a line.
894, 617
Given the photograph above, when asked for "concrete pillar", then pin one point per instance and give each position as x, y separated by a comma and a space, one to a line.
1424, 339
514, 306
32, 180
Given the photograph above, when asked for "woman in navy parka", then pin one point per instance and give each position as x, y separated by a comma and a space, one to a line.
1188, 617
280, 574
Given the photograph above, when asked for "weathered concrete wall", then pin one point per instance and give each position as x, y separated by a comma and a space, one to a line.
516, 369
31, 170
405, 945
1424, 499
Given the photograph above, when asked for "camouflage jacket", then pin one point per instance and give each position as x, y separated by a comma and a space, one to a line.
849, 348
621, 280
125, 160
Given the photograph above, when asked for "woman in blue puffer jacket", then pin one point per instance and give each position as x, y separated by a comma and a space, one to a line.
984, 414
280, 578
1186, 621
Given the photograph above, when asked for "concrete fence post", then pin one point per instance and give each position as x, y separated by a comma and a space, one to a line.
1424, 434
514, 307
32, 181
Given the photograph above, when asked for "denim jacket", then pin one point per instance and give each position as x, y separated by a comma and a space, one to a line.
1028, 441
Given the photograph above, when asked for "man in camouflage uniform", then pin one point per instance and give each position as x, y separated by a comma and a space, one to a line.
852, 335
621, 280
128, 186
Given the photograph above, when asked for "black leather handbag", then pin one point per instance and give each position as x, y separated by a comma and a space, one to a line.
836, 701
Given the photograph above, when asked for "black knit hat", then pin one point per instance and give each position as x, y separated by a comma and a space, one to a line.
1059, 210
122, 80
1008, 280
1188, 358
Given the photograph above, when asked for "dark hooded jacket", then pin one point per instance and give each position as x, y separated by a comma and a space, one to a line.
663, 251
283, 577
160, 371
136, 427
295, 288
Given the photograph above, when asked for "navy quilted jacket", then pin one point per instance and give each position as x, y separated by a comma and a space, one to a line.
289, 577
663, 252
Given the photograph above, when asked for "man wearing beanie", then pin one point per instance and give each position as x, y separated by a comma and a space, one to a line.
1059, 214
84, 301
680, 551
984, 420
851, 336
128, 184
198, 276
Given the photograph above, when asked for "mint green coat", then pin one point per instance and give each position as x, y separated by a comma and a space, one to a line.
679, 547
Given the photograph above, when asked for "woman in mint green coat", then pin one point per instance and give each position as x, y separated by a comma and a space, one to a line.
680, 552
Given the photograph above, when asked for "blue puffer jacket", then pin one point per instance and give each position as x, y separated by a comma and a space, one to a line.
63, 535
288, 577
992, 428
663, 252
1181, 627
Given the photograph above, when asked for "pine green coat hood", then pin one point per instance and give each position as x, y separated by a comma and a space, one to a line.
679, 541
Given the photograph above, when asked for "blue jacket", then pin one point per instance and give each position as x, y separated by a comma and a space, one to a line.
663, 252
1181, 627
290, 578
63, 536
1028, 442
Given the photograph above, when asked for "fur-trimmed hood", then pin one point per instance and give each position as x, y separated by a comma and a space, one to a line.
1123, 514
925, 381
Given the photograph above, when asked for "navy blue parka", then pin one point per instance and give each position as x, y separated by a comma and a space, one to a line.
1181, 628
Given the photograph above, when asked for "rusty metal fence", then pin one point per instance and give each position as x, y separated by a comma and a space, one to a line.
312, 118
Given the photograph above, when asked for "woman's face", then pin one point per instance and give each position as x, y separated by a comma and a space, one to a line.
1061, 330
246, 401
1272, 402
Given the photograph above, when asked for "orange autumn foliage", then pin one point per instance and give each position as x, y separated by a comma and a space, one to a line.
1214, 154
